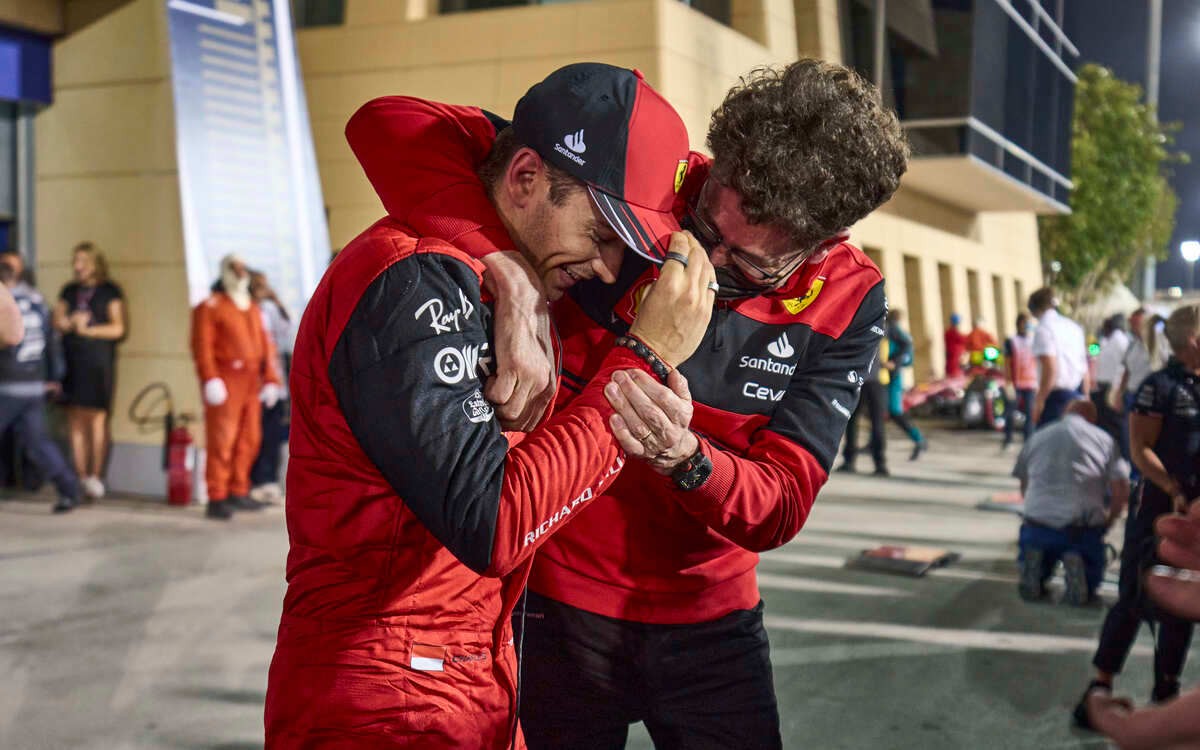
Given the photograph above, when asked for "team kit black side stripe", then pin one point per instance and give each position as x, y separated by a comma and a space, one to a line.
406, 371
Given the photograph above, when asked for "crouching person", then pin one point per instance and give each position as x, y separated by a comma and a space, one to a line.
1075, 484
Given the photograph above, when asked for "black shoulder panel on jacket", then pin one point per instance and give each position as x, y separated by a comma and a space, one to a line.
407, 373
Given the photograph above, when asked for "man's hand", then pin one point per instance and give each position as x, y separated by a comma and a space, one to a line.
1178, 546
52, 388
80, 321
674, 315
652, 420
523, 385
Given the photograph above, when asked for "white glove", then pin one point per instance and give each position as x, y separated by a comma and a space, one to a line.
269, 395
215, 392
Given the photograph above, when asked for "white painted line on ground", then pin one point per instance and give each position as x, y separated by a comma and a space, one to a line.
794, 583
978, 639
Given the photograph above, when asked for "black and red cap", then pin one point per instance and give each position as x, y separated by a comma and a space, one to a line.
605, 126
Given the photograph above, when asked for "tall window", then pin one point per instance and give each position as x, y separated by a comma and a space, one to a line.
719, 10
306, 13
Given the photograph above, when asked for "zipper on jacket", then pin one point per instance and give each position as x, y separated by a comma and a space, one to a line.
718, 323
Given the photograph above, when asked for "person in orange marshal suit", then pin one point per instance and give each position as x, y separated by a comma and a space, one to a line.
235, 362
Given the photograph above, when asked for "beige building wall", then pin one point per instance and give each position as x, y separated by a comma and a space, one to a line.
990, 244
106, 172
388, 47
475, 58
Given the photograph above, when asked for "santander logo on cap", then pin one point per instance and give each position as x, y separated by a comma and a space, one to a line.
575, 142
575, 145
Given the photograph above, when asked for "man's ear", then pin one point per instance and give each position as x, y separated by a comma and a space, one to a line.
525, 177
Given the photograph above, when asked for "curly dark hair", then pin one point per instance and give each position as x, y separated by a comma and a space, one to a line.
808, 147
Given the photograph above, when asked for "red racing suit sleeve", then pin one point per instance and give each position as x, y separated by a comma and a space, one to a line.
407, 372
420, 157
760, 498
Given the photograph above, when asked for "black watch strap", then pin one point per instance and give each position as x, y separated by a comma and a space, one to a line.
693, 472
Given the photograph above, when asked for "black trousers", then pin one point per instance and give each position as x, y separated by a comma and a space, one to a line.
874, 401
586, 678
274, 434
1121, 625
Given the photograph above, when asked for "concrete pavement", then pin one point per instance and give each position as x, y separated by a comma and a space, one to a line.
129, 625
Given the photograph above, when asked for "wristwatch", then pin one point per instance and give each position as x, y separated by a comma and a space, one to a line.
693, 472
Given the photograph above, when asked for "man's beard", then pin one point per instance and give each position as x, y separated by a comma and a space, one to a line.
237, 288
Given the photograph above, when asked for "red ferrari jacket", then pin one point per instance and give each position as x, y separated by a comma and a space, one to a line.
774, 383
410, 515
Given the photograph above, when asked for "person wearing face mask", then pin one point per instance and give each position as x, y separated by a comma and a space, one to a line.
1022, 372
664, 566
235, 360
90, 314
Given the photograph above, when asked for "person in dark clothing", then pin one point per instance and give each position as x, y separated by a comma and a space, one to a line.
873, 402
264, 474
900, 355
90, 314
1165, 444
27, 372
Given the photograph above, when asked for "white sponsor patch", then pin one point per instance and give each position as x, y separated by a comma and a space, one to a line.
761, 392
426, 658
477, 408
453, 364
441, 321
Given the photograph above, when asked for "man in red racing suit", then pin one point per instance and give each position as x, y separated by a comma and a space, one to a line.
411, 516
649, 609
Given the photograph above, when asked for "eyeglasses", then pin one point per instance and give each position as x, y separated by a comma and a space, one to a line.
710, 239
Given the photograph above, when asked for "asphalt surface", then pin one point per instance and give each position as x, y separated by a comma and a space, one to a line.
132, 625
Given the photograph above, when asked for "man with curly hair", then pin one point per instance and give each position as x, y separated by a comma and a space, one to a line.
646, 606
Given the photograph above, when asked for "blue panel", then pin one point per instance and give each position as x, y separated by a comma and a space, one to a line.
24, 67
247, 169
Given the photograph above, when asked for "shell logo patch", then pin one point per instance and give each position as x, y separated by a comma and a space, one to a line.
680, 174
796, 305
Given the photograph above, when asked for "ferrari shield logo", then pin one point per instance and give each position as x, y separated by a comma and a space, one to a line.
680, 173
796, 305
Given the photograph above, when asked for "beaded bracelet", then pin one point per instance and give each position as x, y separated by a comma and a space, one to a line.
657, 366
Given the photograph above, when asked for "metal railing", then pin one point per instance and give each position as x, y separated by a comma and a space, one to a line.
1003, 145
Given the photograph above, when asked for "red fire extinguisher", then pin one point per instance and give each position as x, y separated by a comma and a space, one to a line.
152, 409
181, 461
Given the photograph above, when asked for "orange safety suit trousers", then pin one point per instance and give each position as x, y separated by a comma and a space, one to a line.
233, 433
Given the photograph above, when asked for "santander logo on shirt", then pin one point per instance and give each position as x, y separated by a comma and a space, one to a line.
781, 347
